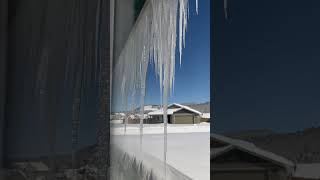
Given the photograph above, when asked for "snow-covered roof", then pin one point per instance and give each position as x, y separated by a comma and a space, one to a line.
310, 171
230, 141
185, 107
217, 151
136, 116
160, 112
253, 150
205, 115
173, 110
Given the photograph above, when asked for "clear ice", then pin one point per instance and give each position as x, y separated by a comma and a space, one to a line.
152, 41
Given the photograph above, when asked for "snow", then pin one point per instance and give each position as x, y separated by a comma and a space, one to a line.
118, 121
254, 150
186, 107
194, 162
135, 165
133, 129
170, 111
218, 151
160, 112
306, 171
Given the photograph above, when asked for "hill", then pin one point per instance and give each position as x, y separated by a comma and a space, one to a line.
202, 107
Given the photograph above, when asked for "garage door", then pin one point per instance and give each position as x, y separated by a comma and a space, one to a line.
183, 119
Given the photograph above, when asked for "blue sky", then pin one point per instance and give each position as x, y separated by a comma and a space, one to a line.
192, 80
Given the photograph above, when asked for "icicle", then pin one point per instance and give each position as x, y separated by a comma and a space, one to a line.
42, 74
143, 73
197, 6
180, 31
126, 115
153, 38
225, 9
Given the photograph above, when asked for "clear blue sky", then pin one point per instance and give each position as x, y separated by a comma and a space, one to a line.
192, 80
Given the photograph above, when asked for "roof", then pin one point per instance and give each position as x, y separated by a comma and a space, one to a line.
136, 116
311, 171
217, 151
160, 112
170, 111
185, 107
251, 149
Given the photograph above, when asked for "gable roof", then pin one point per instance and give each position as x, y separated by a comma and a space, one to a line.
251, 149
215, 152
171, 110
160, 111
185, 107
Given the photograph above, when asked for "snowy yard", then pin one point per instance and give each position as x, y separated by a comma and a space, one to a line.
133, 129
188, 149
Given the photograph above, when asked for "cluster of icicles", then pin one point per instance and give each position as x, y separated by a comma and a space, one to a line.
152, 41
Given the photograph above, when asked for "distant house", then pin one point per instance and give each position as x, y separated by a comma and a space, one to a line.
177, 114
135, 118
35, 166
238, 159
37, 170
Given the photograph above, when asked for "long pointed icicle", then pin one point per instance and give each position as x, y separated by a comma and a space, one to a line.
225, 4
153, 40
197, 6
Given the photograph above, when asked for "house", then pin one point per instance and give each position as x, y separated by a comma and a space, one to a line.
177, 114
237, 159
117, 118
37, 170
135, 118
34, 166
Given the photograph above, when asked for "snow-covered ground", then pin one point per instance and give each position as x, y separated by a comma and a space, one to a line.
188, 149
133, 129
